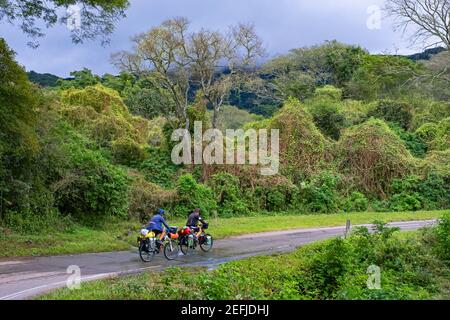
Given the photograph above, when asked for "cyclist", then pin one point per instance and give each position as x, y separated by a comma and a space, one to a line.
193, 222
157, 222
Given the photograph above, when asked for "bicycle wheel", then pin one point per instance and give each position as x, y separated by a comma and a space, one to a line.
171, 250
206, 242
184, 245
145, 252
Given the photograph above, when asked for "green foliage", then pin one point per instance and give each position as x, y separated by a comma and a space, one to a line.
328, 93
393, 111
159, 168
295, 84
80, 79
414, 142
97, 17
442, 237
371, 155
415, 193
193, 195
44, 80
231, 117
91, 188
18, 139
356, 202
327, 117
126, 151
320, 194
228, 195
302, 145
381, 76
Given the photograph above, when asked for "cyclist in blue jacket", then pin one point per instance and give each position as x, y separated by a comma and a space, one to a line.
157, 222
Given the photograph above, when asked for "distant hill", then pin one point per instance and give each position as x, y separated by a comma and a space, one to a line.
426, 55
43, 79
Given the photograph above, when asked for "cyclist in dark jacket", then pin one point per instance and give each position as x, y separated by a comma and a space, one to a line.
194, 218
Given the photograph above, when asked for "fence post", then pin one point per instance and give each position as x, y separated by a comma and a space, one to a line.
347, 227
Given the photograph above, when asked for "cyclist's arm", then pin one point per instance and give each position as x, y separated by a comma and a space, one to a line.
163, 221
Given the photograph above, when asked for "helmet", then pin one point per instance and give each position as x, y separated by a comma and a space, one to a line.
160, 211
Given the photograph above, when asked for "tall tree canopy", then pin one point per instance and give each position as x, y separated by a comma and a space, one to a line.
96, 17
180, 59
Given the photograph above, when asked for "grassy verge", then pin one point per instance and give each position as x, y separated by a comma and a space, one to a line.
331, 269
119, 235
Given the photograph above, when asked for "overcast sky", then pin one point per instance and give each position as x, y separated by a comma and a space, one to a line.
282, 24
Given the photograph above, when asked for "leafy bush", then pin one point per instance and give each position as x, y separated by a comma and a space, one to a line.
415, 144
415, 193
91, 188
371, 155
327, 117
328, 93
356, 202
320, 194
302, 145
159, 168
126, 151
146, 197
193, 195
393, 111
442, 233
228, 195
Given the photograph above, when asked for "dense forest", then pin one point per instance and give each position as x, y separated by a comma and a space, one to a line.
358, 132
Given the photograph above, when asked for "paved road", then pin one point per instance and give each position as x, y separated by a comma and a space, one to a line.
24, 278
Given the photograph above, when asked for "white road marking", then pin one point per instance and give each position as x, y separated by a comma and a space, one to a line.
57, 284
27, 275
7, 263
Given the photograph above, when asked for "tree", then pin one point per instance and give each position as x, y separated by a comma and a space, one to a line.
95, 17
431, 19
383, 76
301, 70
180, 60
80, 79
18, 139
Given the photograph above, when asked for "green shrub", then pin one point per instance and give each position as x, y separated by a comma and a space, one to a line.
228, 195
126, 151
302, 145
91, 188
193, 195
371, 155
328, 93
146, 197
159, 168
415, 193
442, 233
320, 194
327, 117
356, 202
415, 144
393, 111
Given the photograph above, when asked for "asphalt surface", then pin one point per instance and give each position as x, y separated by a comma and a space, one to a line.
23, 278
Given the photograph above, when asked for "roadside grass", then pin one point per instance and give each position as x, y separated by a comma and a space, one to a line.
299, 275
116, 235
